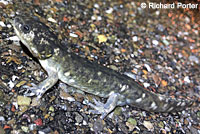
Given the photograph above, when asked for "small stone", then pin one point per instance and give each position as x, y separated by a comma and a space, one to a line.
148, 125
35, 102
32, 127
73, 35
132, 121
22, 109
78, 117
198, 114
147, 67
11, 84
20, 83
155, 42
2, 118
165, 42
52, 20
22, 100
187, 79
84, 122
65, 96
146, 85
130, 126
135, 38
157, 12
2, 24
38, 122
161, 124
51, 108
145, 72
193, 59
164, 83
9, 26
25, 129
96, 5
102, 38
5, 2
131, 75
110, 10
186, 122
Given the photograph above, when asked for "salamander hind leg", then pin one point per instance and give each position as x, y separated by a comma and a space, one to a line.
33, 90
105, 109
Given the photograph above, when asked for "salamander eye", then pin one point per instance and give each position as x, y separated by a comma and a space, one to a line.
25, 28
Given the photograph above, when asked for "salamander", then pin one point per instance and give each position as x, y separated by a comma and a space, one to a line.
85, 75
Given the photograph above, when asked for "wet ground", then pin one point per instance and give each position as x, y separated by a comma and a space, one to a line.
160, 48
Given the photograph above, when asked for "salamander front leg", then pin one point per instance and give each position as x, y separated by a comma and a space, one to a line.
41, 88
105, 109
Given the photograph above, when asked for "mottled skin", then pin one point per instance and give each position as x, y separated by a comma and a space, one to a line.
85, 75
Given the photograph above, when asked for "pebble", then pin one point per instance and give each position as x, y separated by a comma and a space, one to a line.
2, 24
11, 84
5, 2
13, 38
146, 85
194, 59
147, 67
96, 5
22, 100
2, 118
109, 11
24, 128
52, 20
148, 125
73, 35
78, 117
187, 79
165, 42
66, 96
35, 102
102, 38
135, 38
155, 42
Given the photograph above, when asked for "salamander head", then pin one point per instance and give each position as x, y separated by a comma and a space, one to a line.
36, 36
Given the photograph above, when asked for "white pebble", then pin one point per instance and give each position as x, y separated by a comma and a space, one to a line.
135, 38
155, 42
110, 10
99, 18
14, 77
9, 26
96, 5
5, 2
73, 35
146, 85
147, 67
13, 38
2, 24
11, 84
52, 20
2, 118
93, 17
187, 79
